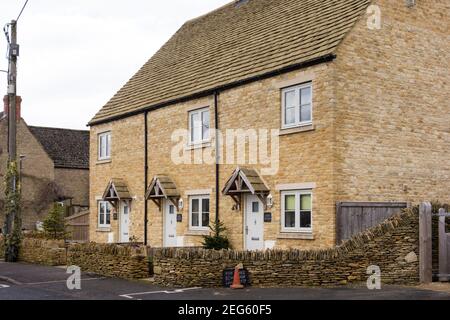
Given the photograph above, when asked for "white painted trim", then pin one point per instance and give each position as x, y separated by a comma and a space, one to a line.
297, 89
108, 135
200, 192
200, 198
295, 186
305, 77
199, 145
98, 198
108, 206
190, 126
297, 229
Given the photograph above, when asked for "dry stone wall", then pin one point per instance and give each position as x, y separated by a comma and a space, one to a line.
46, 252
110, 260
393, 246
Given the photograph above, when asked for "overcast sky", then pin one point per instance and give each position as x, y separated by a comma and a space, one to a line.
75, 54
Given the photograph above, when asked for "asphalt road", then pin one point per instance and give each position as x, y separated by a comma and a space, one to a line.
31, 282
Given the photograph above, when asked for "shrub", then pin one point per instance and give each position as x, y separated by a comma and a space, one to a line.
54, 224
217, 241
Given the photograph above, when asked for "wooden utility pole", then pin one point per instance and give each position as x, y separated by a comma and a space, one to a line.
12, 92
12, 121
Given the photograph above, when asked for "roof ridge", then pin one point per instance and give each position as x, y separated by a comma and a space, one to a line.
225, 48
211, 12
58, 128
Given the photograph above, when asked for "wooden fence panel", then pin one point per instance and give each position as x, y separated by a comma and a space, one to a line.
425, 243
444, 254
356, 217
78, 227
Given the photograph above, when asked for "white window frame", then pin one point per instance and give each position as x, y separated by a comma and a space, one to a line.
200, 198
201, 113
107, 205
297, 228
107, 148
297, 90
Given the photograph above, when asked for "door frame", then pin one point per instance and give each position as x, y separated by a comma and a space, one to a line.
166, 204
246, 196
121, 207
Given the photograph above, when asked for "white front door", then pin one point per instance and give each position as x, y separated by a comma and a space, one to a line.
254, 224
124, 222
170, 225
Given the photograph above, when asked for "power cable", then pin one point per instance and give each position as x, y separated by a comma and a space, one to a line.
23, 8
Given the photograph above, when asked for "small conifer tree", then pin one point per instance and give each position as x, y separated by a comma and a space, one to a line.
54, 224
217, 241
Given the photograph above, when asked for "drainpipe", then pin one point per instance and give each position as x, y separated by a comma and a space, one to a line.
216, 121
145, 175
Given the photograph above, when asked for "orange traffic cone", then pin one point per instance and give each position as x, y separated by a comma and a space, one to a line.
237, 280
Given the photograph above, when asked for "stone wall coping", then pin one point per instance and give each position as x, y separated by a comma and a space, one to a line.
294, 255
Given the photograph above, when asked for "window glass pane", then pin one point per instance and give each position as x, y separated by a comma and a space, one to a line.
205, 125
305, 219
195, 212
305, 202
205, 205
289, 203
171, 209
205, 215
195, 222
289, 107
195, 205
108, 145
102, 146
290, 116
305, 113
196, 127
289, 97
255, 207
305, 96
101, 213
289, 219
108, 218
205, 219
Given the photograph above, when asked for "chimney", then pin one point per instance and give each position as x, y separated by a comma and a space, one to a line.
18, 106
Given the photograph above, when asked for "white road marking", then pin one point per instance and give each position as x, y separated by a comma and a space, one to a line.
131, 295
3, 286
59, 281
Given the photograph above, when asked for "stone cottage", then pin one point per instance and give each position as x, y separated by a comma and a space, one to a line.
346, 100
54, 167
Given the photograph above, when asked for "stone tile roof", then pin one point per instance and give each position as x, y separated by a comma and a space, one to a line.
67, 148
233, 44
120, 190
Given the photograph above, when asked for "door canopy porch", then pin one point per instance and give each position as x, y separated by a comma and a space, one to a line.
162, 188
116, 191
246, 181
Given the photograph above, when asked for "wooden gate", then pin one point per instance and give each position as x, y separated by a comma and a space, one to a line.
355, 217
78, 227
426, 245
444, 246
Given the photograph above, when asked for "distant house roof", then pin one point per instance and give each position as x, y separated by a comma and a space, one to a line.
67, 148
239, 42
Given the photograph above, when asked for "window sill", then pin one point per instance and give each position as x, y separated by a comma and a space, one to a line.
296, 235
103, 229
197, 233
105, 161
200, 145
304, 128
